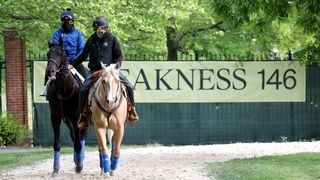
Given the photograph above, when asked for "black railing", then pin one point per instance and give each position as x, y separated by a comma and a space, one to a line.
2, 66
186, 57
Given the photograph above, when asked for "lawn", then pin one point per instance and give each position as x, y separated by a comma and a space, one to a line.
299, 166
25, 156
15, 156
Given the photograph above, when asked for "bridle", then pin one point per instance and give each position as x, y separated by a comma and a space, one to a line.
63, 70
117, 102
54, 62
60, 69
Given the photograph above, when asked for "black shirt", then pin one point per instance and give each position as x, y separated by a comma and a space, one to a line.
106, 50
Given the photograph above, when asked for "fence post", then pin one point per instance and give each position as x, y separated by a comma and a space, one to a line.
1, 86
16, 76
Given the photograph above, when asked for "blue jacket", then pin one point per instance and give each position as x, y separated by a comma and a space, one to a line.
73, 42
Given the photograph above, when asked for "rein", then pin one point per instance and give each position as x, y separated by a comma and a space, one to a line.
68, 97
62, 70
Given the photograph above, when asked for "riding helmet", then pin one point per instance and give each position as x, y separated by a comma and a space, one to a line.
67, 14
100, 22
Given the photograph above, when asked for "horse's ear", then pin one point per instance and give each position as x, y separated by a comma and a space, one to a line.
49, 43
102, 65
61, 42
114, 66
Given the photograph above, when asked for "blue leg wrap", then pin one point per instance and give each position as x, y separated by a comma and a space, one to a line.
75, 157
112, 148
56, 160
79, 157
83, 148
114, 162
100, 158
106, 163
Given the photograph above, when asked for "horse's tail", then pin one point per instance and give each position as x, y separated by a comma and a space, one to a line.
110, 135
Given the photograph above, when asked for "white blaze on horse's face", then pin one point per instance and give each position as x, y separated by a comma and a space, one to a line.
110, 98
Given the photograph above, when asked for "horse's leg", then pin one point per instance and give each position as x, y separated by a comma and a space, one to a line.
116, 145
110, 135
79, 145
100, 160
83, 135
56, 122
102, 140
71, 128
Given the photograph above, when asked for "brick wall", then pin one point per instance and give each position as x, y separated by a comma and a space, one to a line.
16, 76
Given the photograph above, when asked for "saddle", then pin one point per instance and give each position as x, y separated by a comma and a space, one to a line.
77, 76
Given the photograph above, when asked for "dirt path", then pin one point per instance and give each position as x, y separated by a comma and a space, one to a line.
180, 162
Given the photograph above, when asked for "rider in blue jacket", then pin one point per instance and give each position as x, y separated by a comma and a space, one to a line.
72, 39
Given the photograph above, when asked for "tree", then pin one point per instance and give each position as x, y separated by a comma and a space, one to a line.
265, 14
164, 26
36, 24
174, 27
143, 26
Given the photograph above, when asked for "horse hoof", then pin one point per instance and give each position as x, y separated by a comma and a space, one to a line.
105, 174
54, 173
112, 173
78, 169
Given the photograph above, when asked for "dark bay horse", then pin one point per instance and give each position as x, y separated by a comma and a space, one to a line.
63, 97
109, 114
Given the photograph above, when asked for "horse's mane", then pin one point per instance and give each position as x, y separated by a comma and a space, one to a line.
114, 73
58, 49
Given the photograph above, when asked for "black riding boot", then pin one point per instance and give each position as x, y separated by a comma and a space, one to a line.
83, 121
82, 100
84, 91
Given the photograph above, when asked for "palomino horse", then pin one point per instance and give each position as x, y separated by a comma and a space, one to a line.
109, 113
63, 97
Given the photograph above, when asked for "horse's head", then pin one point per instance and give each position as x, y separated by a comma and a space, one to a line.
57, 60
111, 82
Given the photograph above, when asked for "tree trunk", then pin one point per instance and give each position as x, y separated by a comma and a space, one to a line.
196, 55
171, 45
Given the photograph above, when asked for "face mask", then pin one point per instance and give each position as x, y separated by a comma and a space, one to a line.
67, 27
100, 34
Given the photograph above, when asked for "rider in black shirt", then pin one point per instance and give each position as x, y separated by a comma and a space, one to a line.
103, 47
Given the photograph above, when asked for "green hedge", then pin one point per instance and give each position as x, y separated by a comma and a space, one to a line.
11, 130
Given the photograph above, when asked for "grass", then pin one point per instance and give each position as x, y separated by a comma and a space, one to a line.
299, 166
15, 157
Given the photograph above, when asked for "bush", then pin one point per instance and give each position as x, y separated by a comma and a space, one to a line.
11, 130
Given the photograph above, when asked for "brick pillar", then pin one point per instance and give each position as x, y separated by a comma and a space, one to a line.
16, 76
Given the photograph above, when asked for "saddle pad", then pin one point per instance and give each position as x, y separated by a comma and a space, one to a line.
97, 74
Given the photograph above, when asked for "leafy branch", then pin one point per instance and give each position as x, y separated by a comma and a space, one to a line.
193, 32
